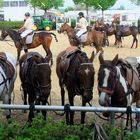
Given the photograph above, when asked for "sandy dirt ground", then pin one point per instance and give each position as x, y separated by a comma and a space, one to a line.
56, 48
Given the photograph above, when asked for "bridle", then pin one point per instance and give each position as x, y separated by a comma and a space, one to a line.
82, 88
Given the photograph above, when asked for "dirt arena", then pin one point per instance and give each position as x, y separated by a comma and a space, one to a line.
56, 48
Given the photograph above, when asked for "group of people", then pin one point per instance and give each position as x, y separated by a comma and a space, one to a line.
82, 27
29, 24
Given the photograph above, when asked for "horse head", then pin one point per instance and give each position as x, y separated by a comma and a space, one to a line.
12, 33
112, 85
64, 27
86, 76
4, 34
42, 74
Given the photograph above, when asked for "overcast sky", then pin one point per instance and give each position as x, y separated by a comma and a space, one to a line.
126, 3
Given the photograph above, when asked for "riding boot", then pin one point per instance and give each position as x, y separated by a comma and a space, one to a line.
23, 43
79, 41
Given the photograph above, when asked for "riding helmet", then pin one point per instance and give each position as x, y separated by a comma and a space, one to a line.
81, 14
27, 14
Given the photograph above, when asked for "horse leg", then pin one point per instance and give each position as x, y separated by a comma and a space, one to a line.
71, 100
136, 40
49, 54
44, 112
133, 42
62, 96
7, 100
83, 113
31, 110
18, 56
138, 117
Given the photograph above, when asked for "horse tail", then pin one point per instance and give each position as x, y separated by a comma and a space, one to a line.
54, 36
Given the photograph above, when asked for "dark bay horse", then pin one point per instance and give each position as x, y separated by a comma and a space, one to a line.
109, 30
8, 75
75, 71
127, 31
119, 82
40, 38
35, 75
93, 37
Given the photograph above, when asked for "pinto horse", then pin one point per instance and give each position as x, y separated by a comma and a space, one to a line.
35, 75
93, 37
119, 82
75, 71
127, 31
7, 78
40, 38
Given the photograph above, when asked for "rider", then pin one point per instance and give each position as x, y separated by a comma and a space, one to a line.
26, 29
118, 24
82, 26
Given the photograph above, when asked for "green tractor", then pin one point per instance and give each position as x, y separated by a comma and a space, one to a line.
41, 24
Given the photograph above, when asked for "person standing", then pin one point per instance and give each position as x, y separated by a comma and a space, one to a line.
26, 29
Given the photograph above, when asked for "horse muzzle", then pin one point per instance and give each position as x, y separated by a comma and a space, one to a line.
1, 39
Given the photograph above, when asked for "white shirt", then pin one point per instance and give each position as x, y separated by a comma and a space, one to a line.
83, 23
29, 23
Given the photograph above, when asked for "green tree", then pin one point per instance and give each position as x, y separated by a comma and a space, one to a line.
121, 7
103, 5
87, 3
46, 4
97, 4
1, 3
137, 2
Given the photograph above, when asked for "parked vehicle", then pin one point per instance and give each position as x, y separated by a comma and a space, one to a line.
41, 24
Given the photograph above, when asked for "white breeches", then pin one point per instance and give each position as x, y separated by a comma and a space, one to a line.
80, 32
25, 33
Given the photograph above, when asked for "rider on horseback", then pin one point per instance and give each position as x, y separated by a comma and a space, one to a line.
26, 29
82, 26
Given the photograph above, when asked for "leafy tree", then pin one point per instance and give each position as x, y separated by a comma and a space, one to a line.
87, 3
1, 3
103, 5
69, 9
97, 4
121, 7
137, 2
46, 4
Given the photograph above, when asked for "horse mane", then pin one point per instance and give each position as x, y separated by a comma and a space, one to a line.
13, 34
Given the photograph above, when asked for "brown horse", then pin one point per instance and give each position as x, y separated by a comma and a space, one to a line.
75, 71
94, 37
35, 75
127, 31
119, 82
40, 38
107, 29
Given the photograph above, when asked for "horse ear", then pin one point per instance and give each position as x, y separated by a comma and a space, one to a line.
101, 59
115, 60
92, 57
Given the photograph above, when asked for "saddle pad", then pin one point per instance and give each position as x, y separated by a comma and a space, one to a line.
83, 37
132, 60
29, 38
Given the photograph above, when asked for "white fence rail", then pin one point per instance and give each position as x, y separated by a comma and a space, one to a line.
72, 108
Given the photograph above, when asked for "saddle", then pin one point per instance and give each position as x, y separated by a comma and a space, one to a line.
84, 36
66, 60
8, 67
131, 66
29, 37
25, 63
